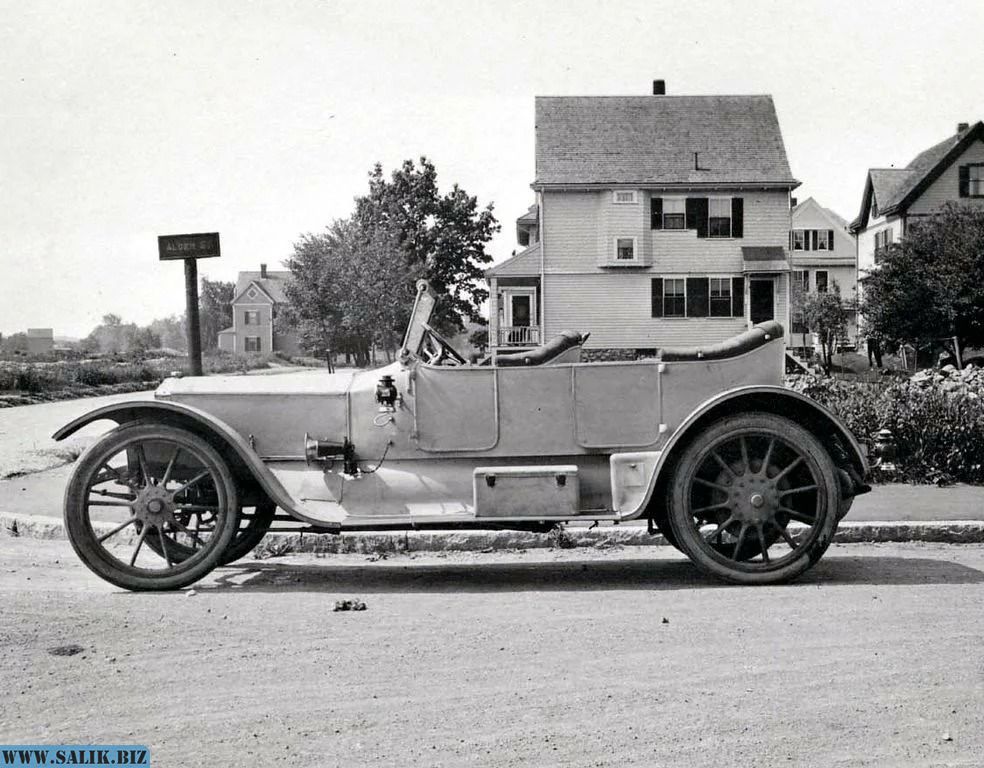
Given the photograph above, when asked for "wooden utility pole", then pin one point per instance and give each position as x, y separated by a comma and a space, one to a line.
190, 248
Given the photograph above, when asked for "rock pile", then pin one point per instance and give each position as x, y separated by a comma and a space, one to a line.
949, 378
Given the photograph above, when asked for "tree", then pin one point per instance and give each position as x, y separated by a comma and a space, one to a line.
350, 290
927, 287
443, 236
825, 316
170, 332
214, 310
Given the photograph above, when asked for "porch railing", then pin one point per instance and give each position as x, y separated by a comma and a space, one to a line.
519, 335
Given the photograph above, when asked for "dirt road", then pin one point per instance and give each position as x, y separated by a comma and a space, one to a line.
552, 658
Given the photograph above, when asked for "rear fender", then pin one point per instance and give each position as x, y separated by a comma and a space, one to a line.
830, 430
242, 459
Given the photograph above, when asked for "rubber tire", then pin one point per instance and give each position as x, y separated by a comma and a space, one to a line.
84, 540
688, 537
247, 539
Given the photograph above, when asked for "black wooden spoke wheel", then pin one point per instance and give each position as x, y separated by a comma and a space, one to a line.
755, 499
164, 485
254, 522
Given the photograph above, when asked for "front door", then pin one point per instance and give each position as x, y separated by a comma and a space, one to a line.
762, 300
520, 317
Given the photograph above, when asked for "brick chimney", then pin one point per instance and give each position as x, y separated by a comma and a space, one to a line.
961, 127
659, 87
263, 271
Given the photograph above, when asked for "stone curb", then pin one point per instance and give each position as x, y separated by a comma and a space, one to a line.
941, 531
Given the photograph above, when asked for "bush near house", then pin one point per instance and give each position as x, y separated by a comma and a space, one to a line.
937, 418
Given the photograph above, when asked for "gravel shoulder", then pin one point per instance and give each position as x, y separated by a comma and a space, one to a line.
556, 657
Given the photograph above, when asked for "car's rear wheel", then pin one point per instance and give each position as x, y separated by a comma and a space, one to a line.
150, 478
755, 499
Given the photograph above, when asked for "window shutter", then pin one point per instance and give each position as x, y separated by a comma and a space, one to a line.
964, 181
656, 213
737, 217
738, 296
697, 215
830, 239
697, 297
657, 298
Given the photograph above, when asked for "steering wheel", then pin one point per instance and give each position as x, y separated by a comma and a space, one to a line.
437, 350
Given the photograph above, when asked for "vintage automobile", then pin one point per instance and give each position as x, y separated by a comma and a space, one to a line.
747, 478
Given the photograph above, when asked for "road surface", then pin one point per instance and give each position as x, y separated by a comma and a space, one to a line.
574, 658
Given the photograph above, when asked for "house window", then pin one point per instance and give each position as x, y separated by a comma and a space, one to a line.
624, 197
801, 280
972, 180
799, 239
625, 249
719, 217
883, 239
823, 240
720, 296
252, 343
821, 281
674, 297
251, 317
674, 213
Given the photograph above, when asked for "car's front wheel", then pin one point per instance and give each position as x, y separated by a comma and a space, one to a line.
150, 482
755, 499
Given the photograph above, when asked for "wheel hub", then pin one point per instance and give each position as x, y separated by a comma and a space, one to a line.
153, 505
754, 499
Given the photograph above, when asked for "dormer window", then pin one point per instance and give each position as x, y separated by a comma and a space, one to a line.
624, 197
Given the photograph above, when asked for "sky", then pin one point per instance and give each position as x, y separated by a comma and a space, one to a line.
122, 121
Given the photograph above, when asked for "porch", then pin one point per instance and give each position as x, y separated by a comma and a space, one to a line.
515, 315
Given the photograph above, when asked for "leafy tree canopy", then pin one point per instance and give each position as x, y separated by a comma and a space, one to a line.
824, 314
443, 236
928, 286
352, 286
214, 310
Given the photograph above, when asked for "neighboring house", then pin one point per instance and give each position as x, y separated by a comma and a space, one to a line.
895, 198
254, 309
659, 220
822, 252
40, 341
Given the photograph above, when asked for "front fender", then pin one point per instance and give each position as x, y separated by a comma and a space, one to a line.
233, 446
843, 446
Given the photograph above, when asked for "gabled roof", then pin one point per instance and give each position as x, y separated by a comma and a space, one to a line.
523, 264
894, 189
272, 284
827, 213
583, 140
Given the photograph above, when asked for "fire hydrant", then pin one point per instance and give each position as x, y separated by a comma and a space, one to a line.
885, 453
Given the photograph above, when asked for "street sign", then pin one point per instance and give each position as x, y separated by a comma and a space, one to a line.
204, 245
190, 248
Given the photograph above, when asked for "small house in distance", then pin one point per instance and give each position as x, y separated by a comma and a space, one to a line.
822, 254
254, 310
40, 341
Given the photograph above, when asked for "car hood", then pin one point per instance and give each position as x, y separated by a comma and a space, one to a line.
309, 382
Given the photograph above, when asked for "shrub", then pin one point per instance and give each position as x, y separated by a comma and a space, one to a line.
938, 428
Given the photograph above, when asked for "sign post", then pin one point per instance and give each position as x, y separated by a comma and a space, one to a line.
190, 248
